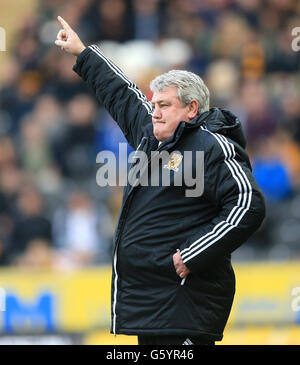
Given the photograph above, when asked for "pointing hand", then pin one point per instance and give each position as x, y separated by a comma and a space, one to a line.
68, 40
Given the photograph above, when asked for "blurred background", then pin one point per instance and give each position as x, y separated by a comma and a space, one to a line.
57, 224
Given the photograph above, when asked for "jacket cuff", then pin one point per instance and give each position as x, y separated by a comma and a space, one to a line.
191, 265
80, 59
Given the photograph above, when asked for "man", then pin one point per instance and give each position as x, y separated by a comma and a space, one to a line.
173, 282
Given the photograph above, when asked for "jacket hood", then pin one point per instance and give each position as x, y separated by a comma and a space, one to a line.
221, 121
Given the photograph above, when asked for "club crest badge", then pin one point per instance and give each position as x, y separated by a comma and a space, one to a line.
174, 162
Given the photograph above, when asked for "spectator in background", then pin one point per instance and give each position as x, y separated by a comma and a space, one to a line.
82, 232
38, 255
8, 152
33, 147
109, 135
38, 130
74, 150
280, 56
183, 20
276, 166
63, 84
28, 50
271, 174
288, 96
148, 20
19, 98
260, 121
223, 81
231, 34
108, 21
10, 182
31, 224
8, 96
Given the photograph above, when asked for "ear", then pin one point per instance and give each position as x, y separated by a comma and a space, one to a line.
193, 107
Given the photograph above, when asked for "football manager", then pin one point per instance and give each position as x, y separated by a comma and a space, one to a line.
173, 282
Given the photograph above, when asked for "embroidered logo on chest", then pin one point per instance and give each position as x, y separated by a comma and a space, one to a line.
174, 162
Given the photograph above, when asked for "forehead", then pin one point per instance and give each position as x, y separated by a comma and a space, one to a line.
168, 93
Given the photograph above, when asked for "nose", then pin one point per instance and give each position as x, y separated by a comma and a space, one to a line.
156, 113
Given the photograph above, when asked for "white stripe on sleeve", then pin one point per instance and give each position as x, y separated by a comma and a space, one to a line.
118, 71
237, 212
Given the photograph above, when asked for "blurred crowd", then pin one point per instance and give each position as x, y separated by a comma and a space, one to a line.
52, 212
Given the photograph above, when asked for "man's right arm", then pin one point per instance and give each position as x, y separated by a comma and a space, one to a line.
127, 105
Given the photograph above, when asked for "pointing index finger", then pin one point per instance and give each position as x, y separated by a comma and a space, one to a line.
64, 24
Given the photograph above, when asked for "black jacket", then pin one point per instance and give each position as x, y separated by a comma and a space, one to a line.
147, 295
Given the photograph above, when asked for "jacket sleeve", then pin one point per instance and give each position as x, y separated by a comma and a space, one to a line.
229, 185
127, 105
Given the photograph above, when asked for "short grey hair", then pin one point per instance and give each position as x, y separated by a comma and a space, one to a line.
189, 87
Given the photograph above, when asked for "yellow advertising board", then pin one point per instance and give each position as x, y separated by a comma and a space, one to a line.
74, 301
267, 293
79, 301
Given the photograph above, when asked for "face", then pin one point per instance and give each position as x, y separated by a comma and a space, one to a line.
168, 111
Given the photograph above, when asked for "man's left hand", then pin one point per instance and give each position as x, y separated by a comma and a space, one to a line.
180, 267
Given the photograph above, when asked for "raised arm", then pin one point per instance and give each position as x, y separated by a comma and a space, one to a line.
68, 40
127, 105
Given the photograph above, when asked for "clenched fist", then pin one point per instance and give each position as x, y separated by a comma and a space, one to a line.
68, 40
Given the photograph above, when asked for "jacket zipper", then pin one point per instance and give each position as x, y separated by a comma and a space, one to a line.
115, 258
115, 270
117, 245
115, 290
